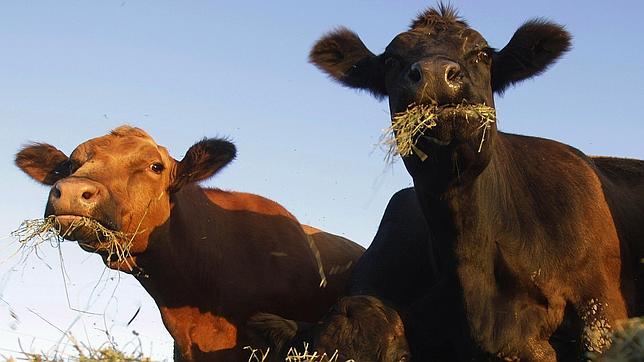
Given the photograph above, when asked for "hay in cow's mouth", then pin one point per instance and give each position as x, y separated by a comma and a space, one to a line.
114, 245
409, 125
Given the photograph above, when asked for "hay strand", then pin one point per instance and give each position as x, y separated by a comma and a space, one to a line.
406, 127
116, 244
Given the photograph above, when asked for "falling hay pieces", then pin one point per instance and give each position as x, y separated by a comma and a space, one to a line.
401, 137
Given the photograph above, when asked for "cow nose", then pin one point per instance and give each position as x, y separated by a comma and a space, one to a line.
435, 72
452, 72
74, 195
415, 74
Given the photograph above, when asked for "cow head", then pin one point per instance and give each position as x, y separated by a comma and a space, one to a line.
122, 181
360, 328
441, 61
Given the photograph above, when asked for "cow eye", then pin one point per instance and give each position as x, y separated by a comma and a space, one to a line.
157, 167
483, 56
391, 62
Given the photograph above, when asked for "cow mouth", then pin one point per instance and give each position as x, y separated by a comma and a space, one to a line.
90, 233
428, 126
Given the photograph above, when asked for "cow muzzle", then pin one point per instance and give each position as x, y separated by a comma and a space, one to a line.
437, 80
74, 199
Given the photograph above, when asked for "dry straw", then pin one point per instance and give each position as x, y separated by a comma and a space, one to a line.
408, 126
296, 355
115, 244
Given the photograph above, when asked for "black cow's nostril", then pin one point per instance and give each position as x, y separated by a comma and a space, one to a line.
452, 73
415, 74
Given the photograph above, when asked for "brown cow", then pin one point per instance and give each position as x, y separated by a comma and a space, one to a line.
209, 258
534, 239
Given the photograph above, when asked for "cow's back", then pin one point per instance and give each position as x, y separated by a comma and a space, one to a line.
229, 255
337, 255
623, 183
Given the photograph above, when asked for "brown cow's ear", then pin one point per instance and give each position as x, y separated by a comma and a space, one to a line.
535, 46
202, 161
44, 163
342, 55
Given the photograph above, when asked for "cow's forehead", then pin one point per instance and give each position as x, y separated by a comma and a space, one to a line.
118, 145
425, 38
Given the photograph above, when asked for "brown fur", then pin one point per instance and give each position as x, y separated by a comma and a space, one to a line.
209, 258
537, 244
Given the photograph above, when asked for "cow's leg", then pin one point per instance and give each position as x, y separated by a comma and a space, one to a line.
598, 316
596, 325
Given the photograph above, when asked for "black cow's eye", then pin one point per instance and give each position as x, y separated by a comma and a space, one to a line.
483, 56
391, 62
157, 167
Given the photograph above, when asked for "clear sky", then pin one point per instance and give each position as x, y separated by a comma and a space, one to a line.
182, 70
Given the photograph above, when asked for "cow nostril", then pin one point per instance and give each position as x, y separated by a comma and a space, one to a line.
87, 195
414, 74
452, 73
55, 192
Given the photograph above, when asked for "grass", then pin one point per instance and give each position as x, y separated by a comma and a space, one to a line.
107, 352
296, 355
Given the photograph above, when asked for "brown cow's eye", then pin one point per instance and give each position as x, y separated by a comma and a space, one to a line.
157, 167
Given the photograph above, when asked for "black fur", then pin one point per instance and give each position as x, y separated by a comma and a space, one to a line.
534, 47
203, 159
342, 55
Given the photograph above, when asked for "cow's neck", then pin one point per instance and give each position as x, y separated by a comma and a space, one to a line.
186, 258
467, 222
185, 271
479, 208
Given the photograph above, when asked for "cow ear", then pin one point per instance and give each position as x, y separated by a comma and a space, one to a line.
203, 160
533, 48
42, 162
273, 331
342, 55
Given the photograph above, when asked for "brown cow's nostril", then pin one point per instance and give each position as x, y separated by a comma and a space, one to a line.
55, 192
452, 73
414, 73
87, 195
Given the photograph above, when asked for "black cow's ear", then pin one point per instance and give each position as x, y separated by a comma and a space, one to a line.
533, 48
202, 161
42, 162
270, 330
342, 55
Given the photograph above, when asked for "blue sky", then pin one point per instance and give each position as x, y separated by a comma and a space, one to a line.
72, 70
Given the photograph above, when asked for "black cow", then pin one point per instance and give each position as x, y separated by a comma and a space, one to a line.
392, 282
534, 239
